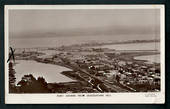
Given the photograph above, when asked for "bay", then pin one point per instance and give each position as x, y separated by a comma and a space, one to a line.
51, 73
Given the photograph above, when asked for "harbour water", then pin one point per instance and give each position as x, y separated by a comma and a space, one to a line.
51, 73
133, 46
149, 58
138, 46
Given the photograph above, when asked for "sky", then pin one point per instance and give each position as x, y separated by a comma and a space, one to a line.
85, 24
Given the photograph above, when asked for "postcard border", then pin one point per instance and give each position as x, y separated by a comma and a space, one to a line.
120, 97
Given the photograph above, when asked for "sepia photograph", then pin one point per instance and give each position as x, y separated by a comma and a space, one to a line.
84, 54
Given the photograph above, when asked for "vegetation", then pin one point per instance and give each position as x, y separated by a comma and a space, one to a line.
29, 84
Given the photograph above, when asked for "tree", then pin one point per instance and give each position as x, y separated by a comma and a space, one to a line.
29, 84
42, 81
12, 78
117, 78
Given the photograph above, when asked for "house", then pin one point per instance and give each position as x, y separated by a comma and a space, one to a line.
142, 81
122, 76
100, 73
150, 80
121, 63
157, 81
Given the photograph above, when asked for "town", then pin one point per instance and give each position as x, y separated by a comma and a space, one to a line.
96, 70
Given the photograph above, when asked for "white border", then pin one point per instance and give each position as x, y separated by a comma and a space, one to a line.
116, 98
